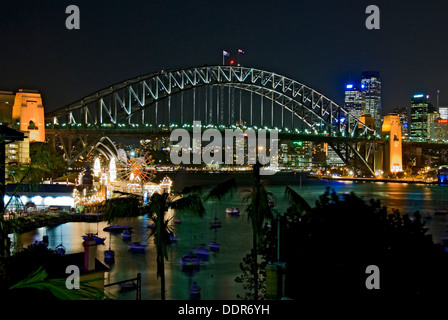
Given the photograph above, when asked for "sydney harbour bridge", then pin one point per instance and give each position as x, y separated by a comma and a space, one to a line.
220, 97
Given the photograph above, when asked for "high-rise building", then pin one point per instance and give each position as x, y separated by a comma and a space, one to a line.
371, 89
432, 122
441, 130
404, 121
420, 107
353, 101
443, 112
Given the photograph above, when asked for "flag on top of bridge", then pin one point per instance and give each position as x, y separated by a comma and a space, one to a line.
240, 51
225, 53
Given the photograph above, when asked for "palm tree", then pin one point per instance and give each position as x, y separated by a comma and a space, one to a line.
189, 201
258, 211
124, 206
158, 206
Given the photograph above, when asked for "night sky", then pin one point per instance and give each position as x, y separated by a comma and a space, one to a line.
321, 43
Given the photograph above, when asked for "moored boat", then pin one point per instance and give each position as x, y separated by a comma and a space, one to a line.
233, 211
215, 224
202, 253
195, 291
98, 240
116, 228
60, 249
214, 246
109, 255
126, 234
137, 247
189, 261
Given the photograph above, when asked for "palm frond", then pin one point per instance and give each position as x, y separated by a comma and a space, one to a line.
297, 200
191, 204
121, 207
192, 189
58, 288
221, 190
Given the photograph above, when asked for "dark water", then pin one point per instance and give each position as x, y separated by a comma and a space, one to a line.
216, 277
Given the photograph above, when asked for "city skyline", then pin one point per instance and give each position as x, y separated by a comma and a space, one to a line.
121, 41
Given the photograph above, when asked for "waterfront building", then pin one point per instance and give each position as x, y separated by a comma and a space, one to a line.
432, 121
443, 111
353, 101
419, 117
301, 152
371, 95
23, 111
42, 196
404, 121
333, 159
368, 120
441, 130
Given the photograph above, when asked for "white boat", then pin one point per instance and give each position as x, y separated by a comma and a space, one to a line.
233, 211
137, 247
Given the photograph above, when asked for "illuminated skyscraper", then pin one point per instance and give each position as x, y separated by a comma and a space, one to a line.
371, 90
420, 107
443, 112
404, 121
353, 101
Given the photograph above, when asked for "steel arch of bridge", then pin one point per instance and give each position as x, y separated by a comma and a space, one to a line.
129, 99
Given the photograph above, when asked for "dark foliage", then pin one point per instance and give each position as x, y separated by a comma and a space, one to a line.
327, 251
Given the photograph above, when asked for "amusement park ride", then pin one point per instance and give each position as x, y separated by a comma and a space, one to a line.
132, 176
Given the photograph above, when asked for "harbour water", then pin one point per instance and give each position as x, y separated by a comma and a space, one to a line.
216, 277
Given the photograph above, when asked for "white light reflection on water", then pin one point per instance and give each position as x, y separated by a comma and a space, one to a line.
216, 277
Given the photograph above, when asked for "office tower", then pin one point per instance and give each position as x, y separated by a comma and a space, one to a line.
371, 91
353, 101
443, 112
404, 120
432, 122
420, 107
441, 130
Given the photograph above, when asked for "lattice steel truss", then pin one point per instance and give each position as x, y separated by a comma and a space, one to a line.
129, 99
127, 102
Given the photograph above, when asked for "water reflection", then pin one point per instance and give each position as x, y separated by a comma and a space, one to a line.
216, 276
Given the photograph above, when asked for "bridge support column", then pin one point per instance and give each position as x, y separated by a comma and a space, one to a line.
391, 130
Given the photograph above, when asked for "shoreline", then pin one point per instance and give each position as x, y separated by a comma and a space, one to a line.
374, 180
50, 220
